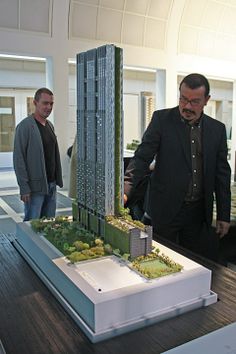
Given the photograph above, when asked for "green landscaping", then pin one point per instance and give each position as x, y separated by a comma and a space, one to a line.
72, 240
78, 244
155, 265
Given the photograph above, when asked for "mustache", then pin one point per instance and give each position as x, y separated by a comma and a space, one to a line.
188, 111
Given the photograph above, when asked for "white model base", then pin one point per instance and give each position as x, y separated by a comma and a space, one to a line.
105, 297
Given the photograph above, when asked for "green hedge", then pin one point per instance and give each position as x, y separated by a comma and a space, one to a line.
117, 238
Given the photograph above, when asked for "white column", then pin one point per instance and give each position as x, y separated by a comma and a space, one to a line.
172, 40
57, 77
166, 88
49, 74
160, 89
171, 86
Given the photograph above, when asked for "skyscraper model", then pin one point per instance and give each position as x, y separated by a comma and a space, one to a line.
100, 149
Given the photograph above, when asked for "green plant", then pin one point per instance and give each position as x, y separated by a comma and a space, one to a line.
133, 145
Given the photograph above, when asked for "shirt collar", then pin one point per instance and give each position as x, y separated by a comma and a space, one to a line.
197, 123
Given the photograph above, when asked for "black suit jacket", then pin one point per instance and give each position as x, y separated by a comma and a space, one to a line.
166, 138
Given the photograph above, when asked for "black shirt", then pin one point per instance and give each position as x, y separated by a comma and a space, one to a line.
49, 147
195, 188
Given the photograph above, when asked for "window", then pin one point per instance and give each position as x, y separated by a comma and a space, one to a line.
30, 105
7, 123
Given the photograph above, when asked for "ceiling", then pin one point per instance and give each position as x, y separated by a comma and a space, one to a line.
205, 28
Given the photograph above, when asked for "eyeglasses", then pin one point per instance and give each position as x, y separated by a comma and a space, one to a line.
185, 101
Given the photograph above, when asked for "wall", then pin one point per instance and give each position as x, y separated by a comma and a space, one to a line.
29, 74
25, 76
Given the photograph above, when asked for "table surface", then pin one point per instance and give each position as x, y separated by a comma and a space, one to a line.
32, 321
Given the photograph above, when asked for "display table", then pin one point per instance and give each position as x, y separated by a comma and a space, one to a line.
105, 296
32, 321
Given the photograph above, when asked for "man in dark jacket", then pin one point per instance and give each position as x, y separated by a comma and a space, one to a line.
191, 167
37, 160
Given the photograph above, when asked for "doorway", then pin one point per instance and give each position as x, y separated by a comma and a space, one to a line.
15, 105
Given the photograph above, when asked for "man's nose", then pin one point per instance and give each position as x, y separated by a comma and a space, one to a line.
188, 104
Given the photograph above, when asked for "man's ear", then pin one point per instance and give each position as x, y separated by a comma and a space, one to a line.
207, 99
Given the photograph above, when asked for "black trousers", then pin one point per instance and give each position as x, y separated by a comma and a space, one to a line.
189, 230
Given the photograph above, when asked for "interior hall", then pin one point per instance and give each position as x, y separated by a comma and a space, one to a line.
162, 41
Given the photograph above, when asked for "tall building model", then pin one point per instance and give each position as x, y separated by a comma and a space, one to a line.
100, 147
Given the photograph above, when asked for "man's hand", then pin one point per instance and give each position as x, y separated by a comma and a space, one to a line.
25, 198
222, 228
125, 199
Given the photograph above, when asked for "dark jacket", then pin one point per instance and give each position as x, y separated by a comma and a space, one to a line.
28, 158
166, 138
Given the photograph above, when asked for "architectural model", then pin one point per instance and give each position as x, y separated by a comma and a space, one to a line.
100, 151
105, 296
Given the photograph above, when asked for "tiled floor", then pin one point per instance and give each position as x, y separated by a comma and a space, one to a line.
12, 208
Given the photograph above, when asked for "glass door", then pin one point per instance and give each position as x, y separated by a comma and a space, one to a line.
15, 105
7, 123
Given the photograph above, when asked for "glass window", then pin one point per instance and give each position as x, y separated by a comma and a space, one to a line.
7, 123
30, 105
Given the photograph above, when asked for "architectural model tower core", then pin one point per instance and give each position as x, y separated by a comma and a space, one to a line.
100, 135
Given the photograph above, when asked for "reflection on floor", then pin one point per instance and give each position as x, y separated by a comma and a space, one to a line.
12, 208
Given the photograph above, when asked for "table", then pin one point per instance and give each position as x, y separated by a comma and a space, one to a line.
32, 321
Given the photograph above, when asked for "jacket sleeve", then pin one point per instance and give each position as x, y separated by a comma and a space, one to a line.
19, 159
138, 167
222, 181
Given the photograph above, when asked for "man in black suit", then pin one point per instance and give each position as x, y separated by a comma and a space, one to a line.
191, 167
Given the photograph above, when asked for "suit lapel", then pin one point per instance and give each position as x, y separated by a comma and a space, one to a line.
183, 138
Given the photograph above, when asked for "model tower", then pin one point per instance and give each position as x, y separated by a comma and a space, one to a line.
100, 135
100, 145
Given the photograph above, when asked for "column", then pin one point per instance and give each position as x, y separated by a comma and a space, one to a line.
57, 77
160, 89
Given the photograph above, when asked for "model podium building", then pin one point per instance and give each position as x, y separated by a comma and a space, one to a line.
100, 149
